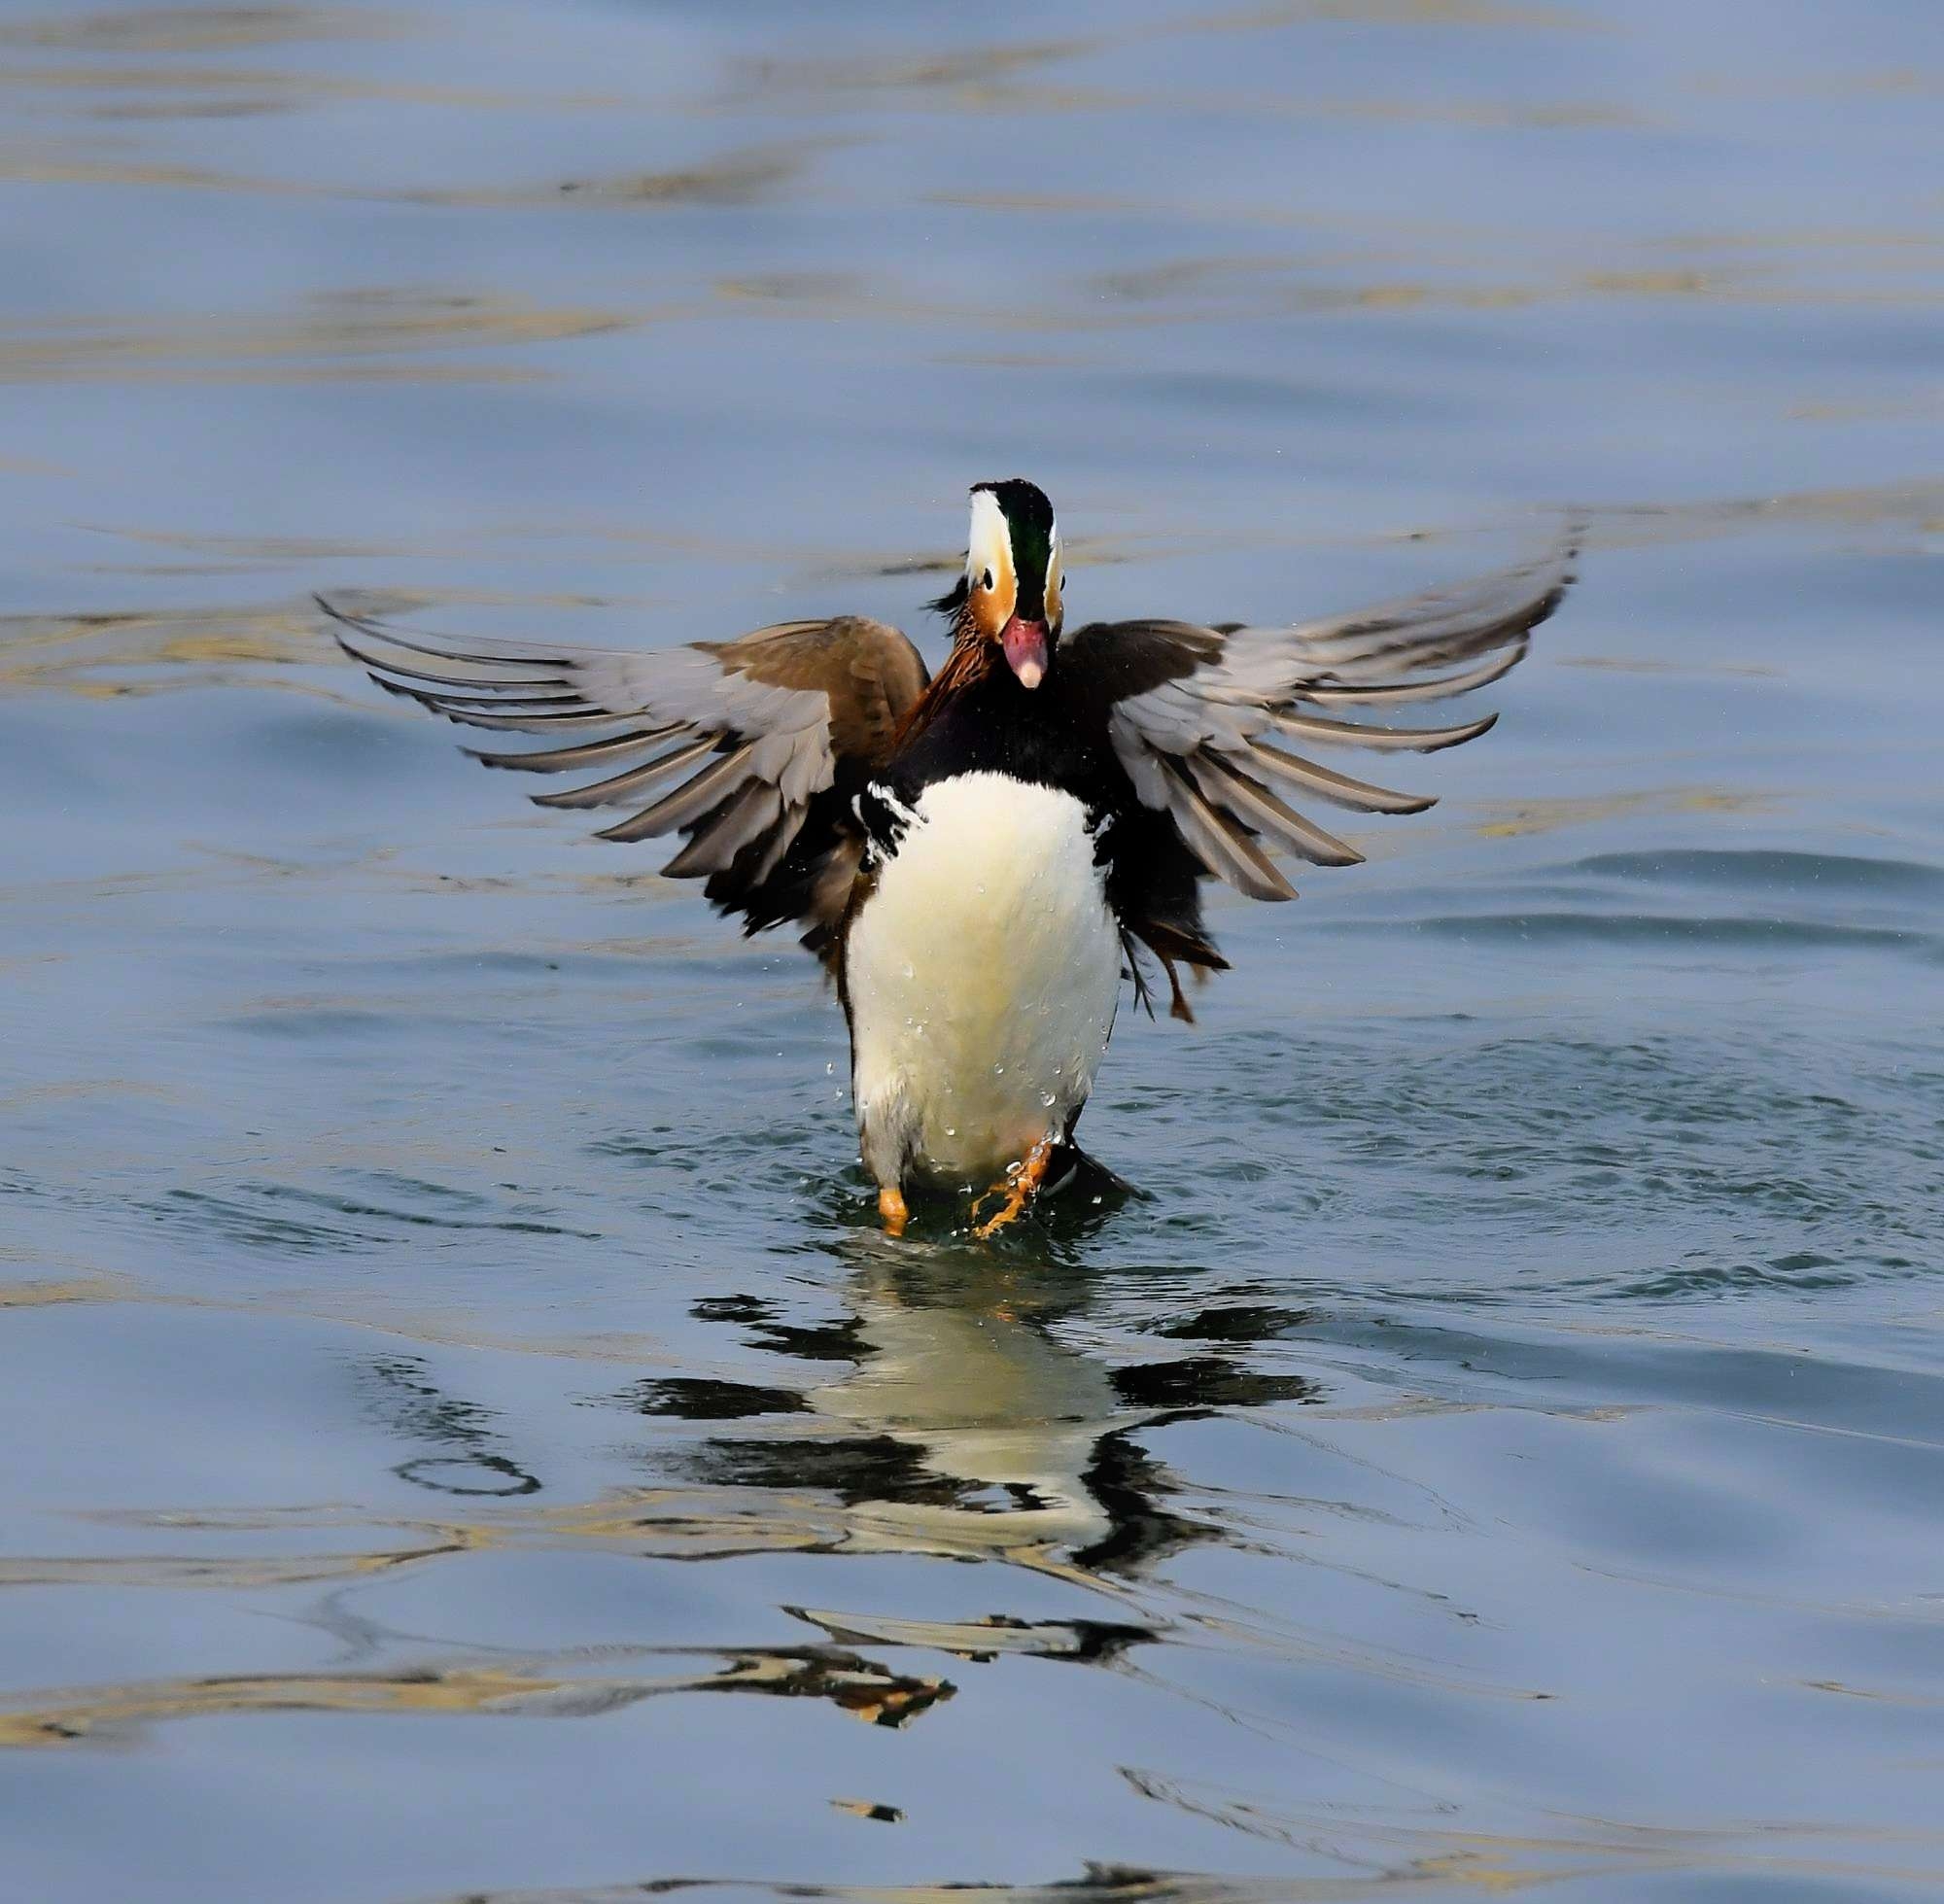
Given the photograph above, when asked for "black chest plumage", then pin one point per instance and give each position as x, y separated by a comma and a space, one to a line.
1054, 734
993, 725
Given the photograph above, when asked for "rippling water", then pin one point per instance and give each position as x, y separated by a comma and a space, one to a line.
468, 1438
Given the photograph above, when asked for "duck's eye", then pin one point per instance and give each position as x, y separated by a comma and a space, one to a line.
985, 581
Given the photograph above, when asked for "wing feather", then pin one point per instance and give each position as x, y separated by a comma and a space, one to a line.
620, 787
775, 731
1191, 711
1339, 789
1394, 740
1257, 807
1392, 694
507, 723
589, 753
1221, 846
688, 803
743, 819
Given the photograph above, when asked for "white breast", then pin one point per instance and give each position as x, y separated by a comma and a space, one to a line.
982, 973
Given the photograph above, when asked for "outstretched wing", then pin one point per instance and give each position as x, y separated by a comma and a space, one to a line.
765, 737
1194, 713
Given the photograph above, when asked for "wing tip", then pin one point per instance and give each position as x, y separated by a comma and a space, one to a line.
341, 620
1437, 739
344, 618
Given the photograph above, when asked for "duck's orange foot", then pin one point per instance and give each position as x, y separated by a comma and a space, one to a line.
891, 1210
1019, 1187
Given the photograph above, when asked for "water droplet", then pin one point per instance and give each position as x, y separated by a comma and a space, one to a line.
998, 1070
909, 972
952, 1130
1047, 1098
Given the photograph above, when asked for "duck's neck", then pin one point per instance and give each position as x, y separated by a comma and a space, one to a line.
977, 717
967, 668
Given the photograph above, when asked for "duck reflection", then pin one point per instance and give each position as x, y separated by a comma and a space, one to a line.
954, 1420
963, 1426
552, 1686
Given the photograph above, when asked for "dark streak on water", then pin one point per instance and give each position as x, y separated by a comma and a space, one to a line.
443, 1343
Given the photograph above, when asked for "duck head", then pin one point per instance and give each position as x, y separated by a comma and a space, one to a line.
1009, 595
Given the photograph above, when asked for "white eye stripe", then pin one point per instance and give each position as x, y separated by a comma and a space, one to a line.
987, 549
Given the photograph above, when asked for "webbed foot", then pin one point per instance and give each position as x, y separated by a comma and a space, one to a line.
1019, 1187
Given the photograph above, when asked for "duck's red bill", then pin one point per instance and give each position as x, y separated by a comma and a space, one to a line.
1024, 642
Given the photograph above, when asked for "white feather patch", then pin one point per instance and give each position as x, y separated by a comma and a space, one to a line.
982, 974
989, 544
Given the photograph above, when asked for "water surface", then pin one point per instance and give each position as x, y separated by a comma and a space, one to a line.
469, 1439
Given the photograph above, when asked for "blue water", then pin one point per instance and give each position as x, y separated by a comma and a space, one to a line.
468, 1438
